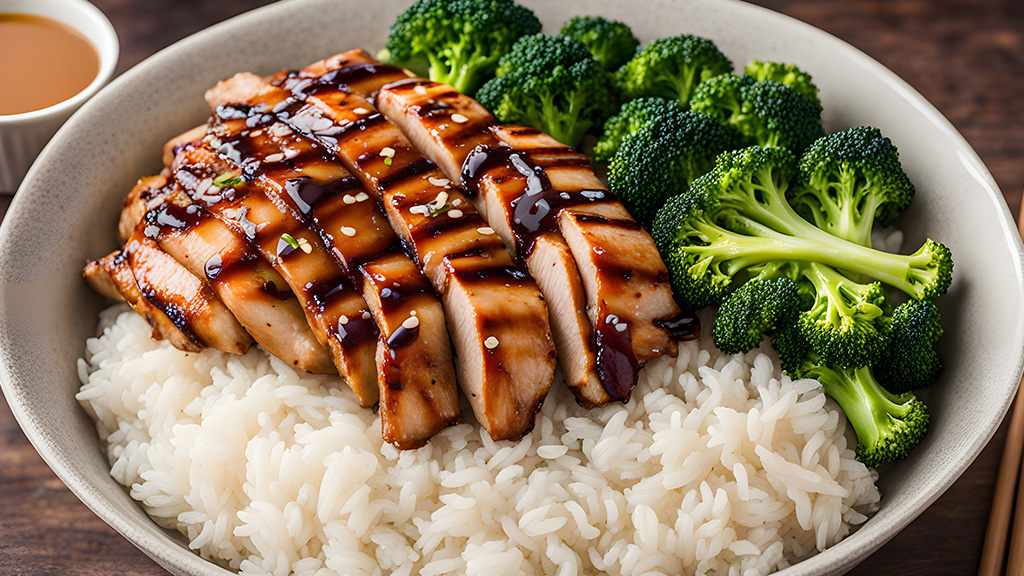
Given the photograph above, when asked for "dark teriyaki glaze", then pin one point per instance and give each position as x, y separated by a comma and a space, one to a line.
354, 74
167, 302
307, 193
684, 326
403, 337
171, 216
616, 362
397, 297
357, 328
536, 211
406, 171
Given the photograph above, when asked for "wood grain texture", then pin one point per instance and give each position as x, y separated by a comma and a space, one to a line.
965, 56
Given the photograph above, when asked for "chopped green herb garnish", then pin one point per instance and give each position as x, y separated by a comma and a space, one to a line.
290, 240
227, 180
387, 161
441, 210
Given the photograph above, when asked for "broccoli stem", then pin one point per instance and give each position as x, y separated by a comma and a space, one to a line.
868, 406
773, 231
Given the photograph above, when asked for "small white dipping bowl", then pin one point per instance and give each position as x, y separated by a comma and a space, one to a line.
22, 136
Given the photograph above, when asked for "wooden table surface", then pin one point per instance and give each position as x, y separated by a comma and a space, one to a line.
965, 56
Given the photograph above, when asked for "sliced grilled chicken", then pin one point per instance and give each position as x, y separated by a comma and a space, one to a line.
356, 70
255, 294
495, 192
546, 202
111, 277
618, 260
172, 146
334, 308
495, 313
418, 391
177, 305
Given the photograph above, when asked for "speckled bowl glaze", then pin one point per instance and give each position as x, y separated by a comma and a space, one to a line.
66, 211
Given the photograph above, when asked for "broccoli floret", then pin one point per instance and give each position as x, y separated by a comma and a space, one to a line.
845, 324
457, 42
551, 83
660, 160
631, 117
737, 216
851, 180
761, 113
671, 68
787, 74
611, 43
755, 309
841, 320
910, 361
888, 425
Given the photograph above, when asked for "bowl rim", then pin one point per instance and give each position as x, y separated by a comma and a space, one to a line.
834, 560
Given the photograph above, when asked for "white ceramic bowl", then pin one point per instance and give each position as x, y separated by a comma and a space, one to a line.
67, 210
22, 136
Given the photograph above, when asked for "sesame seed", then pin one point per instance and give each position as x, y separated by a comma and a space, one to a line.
274, 157
256, 133
362, 197
387, 152
305, 246
491, 343
424, 210
411, 322
457, 202
420, 90
456, 213
360, 111
348, 231
413, 313
348, 199
438, 181
441, 198
343, 320
485, 230
459, 118
280, 130
366, 315
620, 327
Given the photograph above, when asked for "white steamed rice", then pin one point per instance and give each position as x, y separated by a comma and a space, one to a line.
716, 466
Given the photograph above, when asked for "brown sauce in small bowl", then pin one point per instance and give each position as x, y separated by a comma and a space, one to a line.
42, 62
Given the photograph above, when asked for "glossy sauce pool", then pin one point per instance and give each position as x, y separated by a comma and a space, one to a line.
42, 62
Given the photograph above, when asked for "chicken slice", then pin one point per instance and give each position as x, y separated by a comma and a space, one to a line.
178, 305
111, 277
